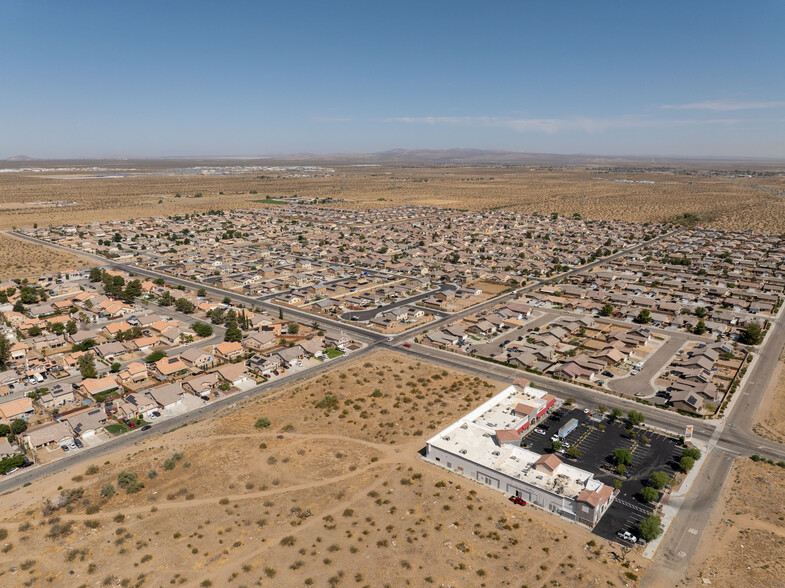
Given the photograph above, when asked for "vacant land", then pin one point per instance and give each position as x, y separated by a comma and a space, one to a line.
22, 259
772, 409
318, 484
746, 542
589, 191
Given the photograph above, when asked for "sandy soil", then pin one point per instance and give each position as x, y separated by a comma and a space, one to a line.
566, 190
22, 259
745, 543
771, 414
330, 495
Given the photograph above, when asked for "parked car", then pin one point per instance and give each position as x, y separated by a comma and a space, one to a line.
72, 444
626, 536
517, 500
540, 432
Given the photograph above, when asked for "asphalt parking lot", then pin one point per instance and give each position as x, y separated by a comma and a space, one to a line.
660, 454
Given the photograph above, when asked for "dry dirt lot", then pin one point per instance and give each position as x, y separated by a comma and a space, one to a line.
771, 414
745, 543
331, 492
566, 190
22, 259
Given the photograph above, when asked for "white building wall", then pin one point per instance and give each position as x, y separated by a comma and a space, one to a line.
532, 494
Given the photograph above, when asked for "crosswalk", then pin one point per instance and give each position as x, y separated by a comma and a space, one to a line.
635, 507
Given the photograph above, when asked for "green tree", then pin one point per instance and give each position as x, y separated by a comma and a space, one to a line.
132, 291
87, 366
622, 456
701, 312
166, 299
574, 452
650, 528
115, 367
18, 426
686, 463
217, 316
5, 349
4, 429
201, 292
555, 445
607, 309
616, 413
644, 317
95, 274
636, 417
71, 328
751, 335
293, 328
692, 452
155, 356
9, 463
659, 479
650, 494
233, 332
34, 331
202, 329
700, 328
184, 305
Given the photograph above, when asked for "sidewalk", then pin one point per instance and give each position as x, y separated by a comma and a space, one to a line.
672, 503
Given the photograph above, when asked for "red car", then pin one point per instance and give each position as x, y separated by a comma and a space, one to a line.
517, 500
406, 345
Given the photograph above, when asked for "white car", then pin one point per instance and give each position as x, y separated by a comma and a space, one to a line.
389, 339
627, 536
540, 432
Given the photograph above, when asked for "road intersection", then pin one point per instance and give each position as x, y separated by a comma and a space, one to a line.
726, 439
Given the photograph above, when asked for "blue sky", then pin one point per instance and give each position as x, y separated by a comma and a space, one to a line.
82, 79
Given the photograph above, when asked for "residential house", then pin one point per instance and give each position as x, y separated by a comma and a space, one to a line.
21, 408
229, 350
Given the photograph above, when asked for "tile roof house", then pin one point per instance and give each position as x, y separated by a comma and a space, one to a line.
92, 386
47, 435
21, 408
229, 350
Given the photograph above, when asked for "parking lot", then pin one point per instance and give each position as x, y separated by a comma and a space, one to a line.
596, 447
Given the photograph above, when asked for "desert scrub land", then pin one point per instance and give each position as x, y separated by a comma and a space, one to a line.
771, 413
23, 259
590, 191
745, 544
260, 496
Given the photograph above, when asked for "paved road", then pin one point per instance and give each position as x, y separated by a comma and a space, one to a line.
686, 531
655, 417
365, 315
642, 382
249, 301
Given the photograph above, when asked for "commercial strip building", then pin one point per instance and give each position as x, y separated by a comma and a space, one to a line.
485, 445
